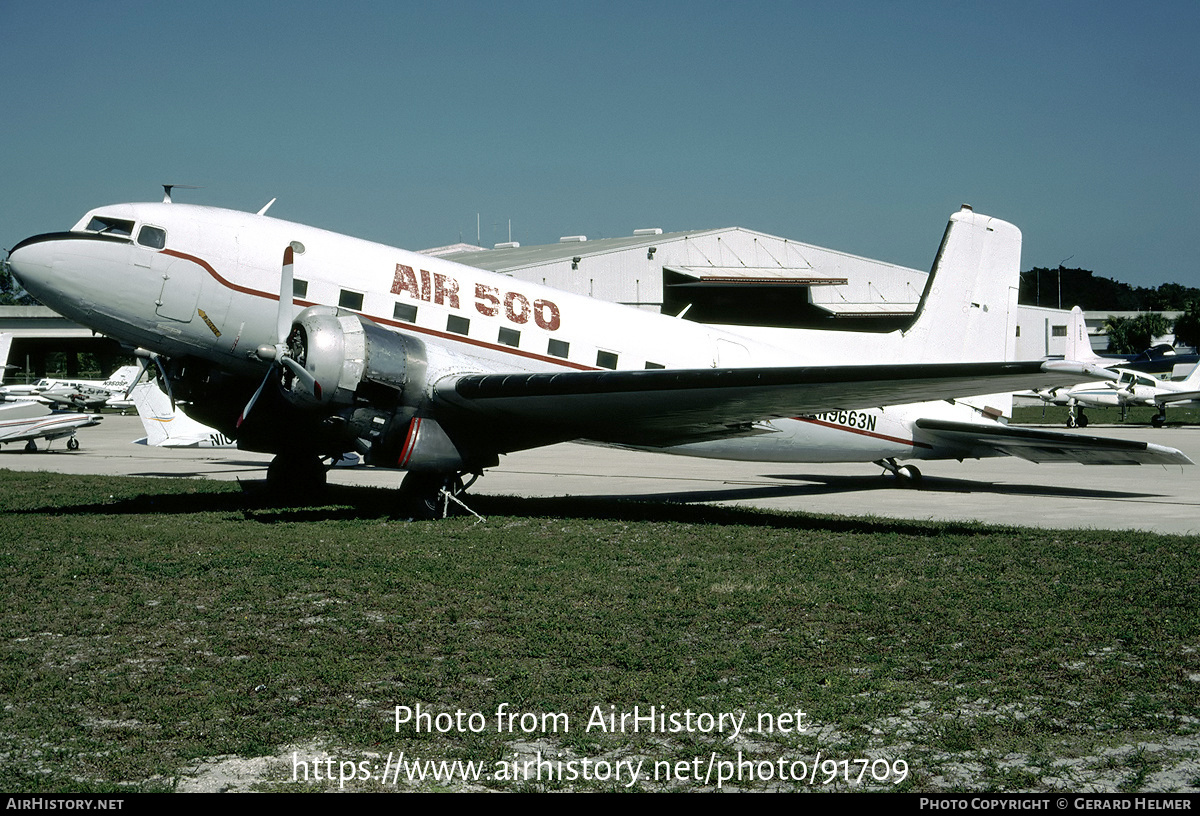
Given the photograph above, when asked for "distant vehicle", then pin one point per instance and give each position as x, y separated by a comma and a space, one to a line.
30, 421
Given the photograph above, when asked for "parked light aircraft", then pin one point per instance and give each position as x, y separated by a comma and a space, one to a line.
30, 421
81, 394
1128, 388
437, 368
1135, 388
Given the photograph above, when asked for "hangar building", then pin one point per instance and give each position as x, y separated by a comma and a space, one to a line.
739, 276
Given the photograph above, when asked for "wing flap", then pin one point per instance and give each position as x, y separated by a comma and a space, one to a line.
1040, 446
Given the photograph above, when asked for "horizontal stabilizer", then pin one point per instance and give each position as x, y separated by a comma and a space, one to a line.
1037, 445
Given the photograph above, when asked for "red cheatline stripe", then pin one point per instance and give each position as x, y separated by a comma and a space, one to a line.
914, 443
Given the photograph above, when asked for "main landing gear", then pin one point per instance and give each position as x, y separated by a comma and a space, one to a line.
906, 475
1076, 418
436, 495
1159, 419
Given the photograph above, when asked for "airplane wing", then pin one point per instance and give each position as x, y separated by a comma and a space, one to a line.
1040, 446
669, 407
1177, 396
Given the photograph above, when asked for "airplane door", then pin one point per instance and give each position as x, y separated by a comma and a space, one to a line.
180, 289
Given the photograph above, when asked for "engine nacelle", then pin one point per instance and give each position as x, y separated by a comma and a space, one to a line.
351, 359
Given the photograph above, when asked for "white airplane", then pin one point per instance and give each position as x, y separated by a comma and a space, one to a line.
1135, 388
437, 368
1128, 388
30, 421
80, 394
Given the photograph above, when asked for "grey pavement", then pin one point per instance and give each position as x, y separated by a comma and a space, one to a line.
1001, 490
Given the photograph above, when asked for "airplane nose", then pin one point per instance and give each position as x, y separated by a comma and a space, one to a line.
32, 263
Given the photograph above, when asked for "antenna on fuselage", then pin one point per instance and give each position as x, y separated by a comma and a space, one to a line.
167, 188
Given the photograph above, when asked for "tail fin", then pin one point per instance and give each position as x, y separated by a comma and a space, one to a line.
154, 410
968, 311
122, 377
5, 345
1079, 346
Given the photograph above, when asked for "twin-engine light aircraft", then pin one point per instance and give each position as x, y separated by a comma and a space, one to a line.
1125, 386
30, 421
437, 368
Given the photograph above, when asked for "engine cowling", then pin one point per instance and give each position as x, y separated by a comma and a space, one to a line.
350, 359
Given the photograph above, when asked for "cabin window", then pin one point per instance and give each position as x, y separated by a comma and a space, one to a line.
350, 300
106, 225
606, 359
510, 337
1058, 331
299, 288
406, 312
650, 365
152, 237
559, 348
458, 325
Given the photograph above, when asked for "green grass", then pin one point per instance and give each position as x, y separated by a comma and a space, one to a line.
152, 625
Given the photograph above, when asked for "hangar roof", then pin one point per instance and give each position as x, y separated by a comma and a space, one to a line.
506, 258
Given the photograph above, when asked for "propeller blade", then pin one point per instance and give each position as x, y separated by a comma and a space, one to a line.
283, 318
246, 411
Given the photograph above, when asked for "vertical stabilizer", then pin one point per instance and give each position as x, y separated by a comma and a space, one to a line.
968, 311
1079, 345
5, 345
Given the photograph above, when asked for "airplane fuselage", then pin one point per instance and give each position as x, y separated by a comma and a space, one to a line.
201, 287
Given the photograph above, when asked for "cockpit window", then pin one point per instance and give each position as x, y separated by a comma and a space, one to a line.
152, 237
110, 226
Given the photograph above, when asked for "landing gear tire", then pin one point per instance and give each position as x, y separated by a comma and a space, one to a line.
1158, 420
906, 475
1082, 421
296, 477
31, 446
72, 444
423, 494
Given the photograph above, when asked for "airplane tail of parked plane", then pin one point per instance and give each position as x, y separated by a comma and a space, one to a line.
122, 378
968, 309
1079, 346
167, 427
5, 346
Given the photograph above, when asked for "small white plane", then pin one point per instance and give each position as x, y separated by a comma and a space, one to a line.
1128, 388
437, 368
79, 394
30, 421
1135, 388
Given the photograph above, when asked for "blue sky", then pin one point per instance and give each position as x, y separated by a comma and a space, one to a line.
857, 125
